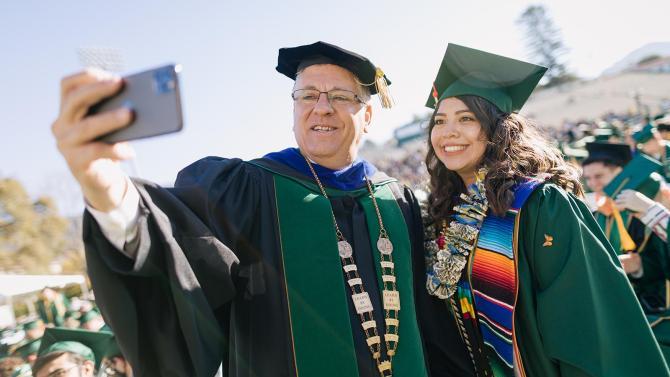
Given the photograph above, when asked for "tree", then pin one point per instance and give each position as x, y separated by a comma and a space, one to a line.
545, 43
33, 236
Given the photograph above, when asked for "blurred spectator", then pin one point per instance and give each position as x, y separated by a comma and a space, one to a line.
27, 350
33, 328
51, 306
92, 321
71, 320
8, 365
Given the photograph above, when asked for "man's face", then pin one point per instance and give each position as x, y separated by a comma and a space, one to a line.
62, 366
329, 134
36, 332
598, 175
653, 147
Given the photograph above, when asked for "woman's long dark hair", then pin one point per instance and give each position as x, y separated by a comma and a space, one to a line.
515, 150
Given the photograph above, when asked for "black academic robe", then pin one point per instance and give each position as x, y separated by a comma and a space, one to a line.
207, 284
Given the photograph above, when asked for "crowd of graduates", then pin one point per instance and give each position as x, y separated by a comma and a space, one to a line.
626, 167
63, 336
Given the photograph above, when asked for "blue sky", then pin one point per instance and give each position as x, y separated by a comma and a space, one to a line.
235, 104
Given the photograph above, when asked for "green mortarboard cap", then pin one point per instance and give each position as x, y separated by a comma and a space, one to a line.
89, 315
27, 348
293, 59
505, 82
71, 314
635, 176
92, 345
619, 154
645, 134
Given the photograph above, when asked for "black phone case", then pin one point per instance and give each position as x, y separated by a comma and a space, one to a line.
153, 96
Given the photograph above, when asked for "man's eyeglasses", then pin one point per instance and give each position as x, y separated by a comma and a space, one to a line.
336, 97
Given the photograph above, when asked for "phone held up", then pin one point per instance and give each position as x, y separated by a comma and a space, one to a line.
153, 96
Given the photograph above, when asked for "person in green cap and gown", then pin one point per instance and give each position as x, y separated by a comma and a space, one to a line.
27, 350
515, 258
71, 352
296, 263
71, 319
651, 143
33, 328
92, 320
51, 306
630, 231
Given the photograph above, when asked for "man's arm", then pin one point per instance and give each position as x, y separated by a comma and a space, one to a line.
653, 214
120, 224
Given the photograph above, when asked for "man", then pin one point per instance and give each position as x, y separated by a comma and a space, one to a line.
68, 352
629, 227
292, 264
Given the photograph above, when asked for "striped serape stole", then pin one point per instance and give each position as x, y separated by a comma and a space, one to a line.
495, 284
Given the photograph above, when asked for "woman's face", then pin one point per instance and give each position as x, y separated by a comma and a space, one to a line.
458, 138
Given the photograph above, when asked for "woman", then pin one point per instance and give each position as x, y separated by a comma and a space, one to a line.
516, 259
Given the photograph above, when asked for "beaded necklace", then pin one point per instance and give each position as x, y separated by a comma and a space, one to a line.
448, 254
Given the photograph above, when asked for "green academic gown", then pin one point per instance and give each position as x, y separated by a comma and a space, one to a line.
576, 313
238, 265
650, 287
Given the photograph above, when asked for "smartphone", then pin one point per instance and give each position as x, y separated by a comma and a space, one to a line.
153, 96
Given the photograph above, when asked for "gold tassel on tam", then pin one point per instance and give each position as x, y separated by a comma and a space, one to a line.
609, 208
383, 90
